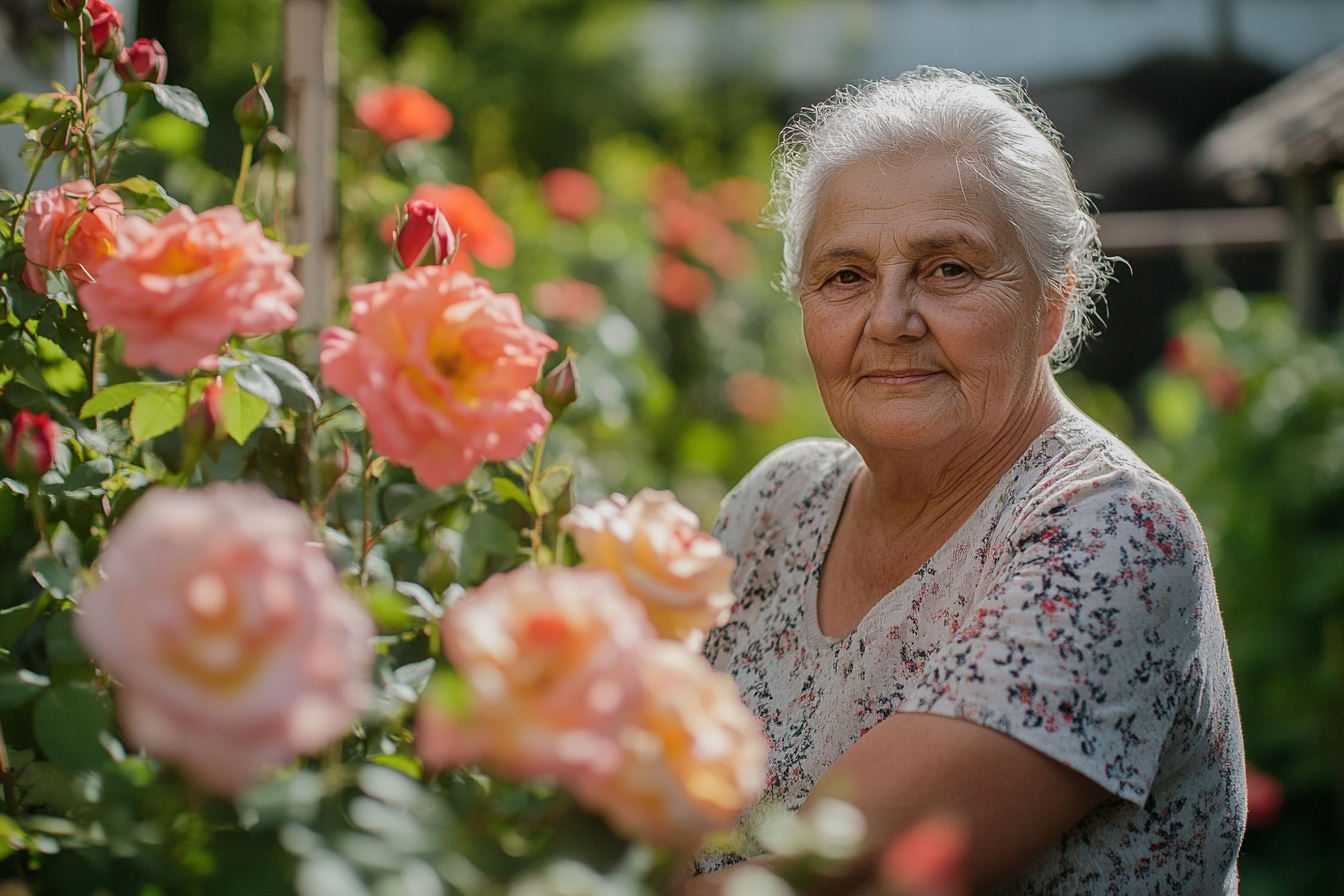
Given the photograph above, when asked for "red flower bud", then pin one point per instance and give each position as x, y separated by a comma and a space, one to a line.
560, 389
253, 113
65, 10
425, 235
142, 62
204, 423
105, 38
32, 445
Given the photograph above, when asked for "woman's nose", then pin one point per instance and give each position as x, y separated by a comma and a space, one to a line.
895, 315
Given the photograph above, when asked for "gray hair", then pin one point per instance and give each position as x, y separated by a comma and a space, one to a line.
995, 130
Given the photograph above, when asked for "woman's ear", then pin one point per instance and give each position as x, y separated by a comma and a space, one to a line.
1053, 315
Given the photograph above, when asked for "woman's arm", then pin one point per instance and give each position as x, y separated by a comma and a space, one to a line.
1013, 800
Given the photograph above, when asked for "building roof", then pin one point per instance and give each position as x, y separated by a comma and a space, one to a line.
1295, 125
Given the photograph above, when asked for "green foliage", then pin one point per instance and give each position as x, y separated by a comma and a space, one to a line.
1261, 459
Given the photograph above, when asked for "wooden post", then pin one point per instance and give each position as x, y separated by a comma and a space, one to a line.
310, 121
1302, 251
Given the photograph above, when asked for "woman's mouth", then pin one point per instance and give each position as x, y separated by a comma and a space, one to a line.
900, 377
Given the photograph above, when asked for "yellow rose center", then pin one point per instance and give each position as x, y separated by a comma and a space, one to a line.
219, 653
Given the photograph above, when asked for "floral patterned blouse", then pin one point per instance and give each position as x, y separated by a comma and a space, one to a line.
1074, 611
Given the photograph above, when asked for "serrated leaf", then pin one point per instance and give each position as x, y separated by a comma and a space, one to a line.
181, 102
251, 378
291, 380
115, 397
151, 190
158, 412
243, 412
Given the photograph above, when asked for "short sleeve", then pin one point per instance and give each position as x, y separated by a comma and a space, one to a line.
1082, 638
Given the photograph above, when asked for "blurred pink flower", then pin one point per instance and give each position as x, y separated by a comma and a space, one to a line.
71, 228
443, 369
570, 194
569, 300
397, 112
693, 756
1264, 797
927, 859
655, 545
224, 626
681, 286
550, 660
180, 287
740, 199
756, 396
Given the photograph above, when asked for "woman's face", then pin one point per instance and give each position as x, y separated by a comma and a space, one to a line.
926, 326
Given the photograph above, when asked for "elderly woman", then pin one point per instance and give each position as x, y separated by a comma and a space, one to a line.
980, 603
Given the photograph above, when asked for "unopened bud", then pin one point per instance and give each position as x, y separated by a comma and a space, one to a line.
31, 447
425, 236
105, 23
560, 388
253, 113
143, 62
65, 10
60, 135
204, 423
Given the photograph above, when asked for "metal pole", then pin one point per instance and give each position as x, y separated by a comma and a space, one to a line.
310, 121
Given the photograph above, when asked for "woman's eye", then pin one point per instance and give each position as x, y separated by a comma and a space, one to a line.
950, 269
848, 277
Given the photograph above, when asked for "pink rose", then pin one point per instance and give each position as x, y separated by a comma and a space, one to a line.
72, 228
143, 62
569, 300
224, 625
397, 112
443, 369
570, 194
655, 545
180, 287
550, 661
693, 757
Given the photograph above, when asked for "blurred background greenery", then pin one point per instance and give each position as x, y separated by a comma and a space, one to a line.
687, 383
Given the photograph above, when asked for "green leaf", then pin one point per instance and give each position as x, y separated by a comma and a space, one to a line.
118, 396
181, 102
54, 576
85, 480
15, 621
67, 721
292, 381
243, 412
18, 686
45, 108
510, 491
62, 645
13, 108
25, 303
158, 412
251, 378
150, 190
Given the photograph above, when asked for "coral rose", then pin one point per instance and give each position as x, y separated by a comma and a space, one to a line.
655, 545
443, 369
550, 661
72, 228
693, 756
399, 112
569, 300
180, 287
225, 628
756, 396
682, 287
570, 194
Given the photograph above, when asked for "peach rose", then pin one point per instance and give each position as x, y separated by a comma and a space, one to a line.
72, 228
223, 623
443, 369
683, 287
655, 545
399, 112
570, 194
693, 756
550, 660
180, 287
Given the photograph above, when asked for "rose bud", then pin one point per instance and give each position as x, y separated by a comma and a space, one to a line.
105, 40
253, 113
275, 145
205, 420
425, 235
143, 62
32, 445
65, 10
60, 135
560, 388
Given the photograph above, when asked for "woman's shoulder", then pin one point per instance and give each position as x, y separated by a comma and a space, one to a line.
783, 474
